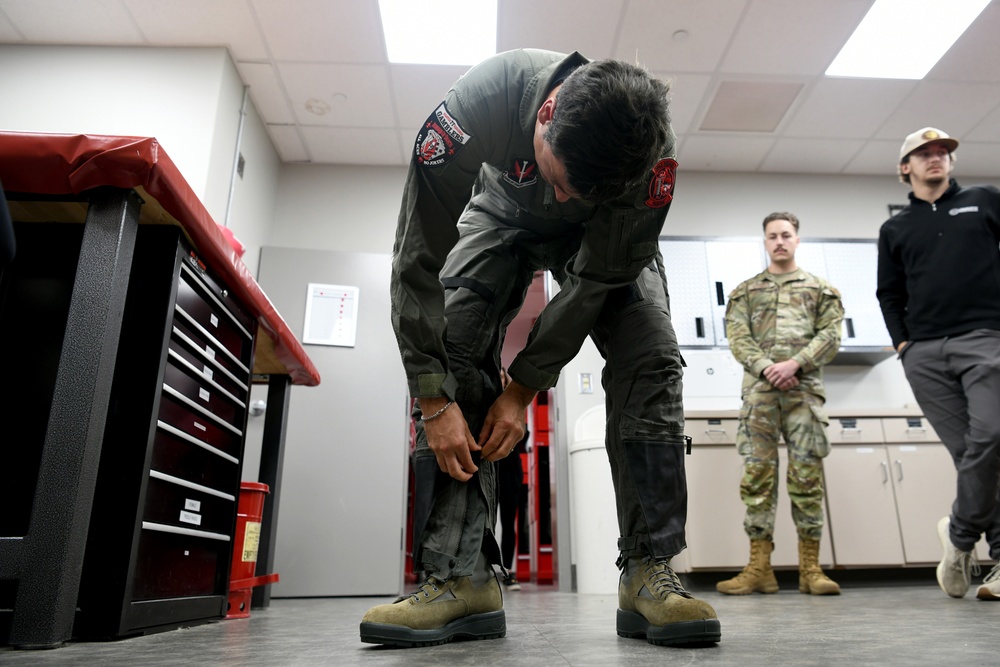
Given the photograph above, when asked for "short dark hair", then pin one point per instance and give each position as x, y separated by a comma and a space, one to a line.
610, 126
780, 215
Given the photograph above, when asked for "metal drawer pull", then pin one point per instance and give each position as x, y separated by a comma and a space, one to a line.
899, 470
885, 472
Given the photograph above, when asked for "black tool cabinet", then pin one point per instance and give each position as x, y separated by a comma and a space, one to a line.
162, 526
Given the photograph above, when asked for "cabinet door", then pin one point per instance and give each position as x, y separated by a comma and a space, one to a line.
729, 264
925, 478
851, 268
715, 534
862, 518
690, 299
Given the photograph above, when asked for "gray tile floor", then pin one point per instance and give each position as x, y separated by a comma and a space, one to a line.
872, 623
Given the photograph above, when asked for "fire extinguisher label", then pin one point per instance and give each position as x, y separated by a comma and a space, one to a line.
251, 538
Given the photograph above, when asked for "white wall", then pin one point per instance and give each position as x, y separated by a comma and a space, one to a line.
352, 209
189, 99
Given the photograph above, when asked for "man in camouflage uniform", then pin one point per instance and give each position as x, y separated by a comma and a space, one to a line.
783, 326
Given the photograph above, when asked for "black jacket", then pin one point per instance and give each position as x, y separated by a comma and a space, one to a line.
939, 265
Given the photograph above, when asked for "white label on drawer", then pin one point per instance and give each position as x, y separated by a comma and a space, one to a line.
865, 450
203, 394
191, 517
214, 320
210, 352
908, 448
193, 505
207, 372
200, 427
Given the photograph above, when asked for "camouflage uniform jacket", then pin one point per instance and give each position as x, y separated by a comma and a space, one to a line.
476, 150
768, 322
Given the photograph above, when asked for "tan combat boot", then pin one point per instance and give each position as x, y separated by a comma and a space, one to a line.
653, 604
757, 576
439, 611
811, 577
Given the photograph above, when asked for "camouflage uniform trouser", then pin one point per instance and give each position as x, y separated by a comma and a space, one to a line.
486, 277
799, 417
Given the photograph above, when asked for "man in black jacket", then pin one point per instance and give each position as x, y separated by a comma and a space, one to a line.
939, 289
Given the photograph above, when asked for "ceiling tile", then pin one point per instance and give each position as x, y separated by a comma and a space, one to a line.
855, 108
339, 31
934, 103
750, 106
810, 156
678, 36
200, 23
340, 95
419, 89
876, 157
73, 21
792, 36
8, 33
988, 129
730, 153
973, 160
342, 145
288, 142
686, 93
529, 24
267, 93
976, 55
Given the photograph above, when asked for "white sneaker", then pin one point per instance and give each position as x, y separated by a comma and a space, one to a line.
954, 572
990, 590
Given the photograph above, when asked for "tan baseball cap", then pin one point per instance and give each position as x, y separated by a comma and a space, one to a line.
926, 136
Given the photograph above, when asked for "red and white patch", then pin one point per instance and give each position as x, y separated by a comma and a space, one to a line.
522, 173
661, 186
440, 138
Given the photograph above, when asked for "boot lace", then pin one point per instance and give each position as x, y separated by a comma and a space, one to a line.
431, 584
661, 580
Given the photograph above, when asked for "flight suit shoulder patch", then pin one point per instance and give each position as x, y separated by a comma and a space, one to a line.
440, 138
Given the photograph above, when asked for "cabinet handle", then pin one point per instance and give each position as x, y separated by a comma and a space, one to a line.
699, 327
720, 295
885, 471
916, 430
849, 323
899, 470
710, 431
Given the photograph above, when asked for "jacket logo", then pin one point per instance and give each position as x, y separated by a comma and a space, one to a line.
661, 186
522, 173
440, 138
964, 209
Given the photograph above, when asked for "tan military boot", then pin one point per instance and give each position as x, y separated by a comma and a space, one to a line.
757, 576
653, 604
811, 577
440, 611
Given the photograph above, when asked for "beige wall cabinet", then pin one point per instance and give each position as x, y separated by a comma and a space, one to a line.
715, 535
888, 483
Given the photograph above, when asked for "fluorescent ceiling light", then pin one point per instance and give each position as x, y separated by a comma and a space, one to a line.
903, 39
439, 32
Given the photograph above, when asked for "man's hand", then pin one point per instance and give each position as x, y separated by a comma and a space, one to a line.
449, 438
782, 375
504, 426
899, 348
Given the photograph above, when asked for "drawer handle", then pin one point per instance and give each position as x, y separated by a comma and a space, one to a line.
885, 472
914, 429
899, 470
710, 431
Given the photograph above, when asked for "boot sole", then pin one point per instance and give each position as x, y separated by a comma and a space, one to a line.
491, 625
702, 632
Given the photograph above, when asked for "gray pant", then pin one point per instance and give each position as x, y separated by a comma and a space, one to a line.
956, 380
487, 276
